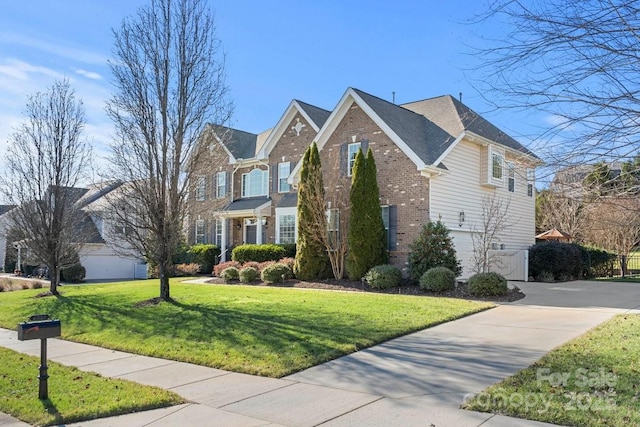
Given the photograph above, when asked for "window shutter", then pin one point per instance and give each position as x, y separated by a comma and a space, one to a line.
393, 227
344, 160
274, 178
364, 146
227, 182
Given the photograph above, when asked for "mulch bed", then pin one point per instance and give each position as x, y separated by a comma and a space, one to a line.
461, 290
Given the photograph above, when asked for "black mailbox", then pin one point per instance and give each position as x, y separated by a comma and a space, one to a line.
38, 327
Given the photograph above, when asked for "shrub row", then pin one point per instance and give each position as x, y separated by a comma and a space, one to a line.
551, 261
258, 253
275, 272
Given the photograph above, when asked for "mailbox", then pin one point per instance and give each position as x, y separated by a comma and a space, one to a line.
38, 328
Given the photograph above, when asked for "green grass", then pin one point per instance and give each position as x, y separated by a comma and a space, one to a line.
592, 381
73, 395
256, 330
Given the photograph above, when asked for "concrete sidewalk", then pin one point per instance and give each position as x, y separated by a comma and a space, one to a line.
416, 380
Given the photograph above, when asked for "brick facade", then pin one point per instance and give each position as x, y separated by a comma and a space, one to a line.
400, 182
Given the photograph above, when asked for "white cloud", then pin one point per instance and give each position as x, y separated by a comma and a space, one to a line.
20, 70
88, 74
53, 48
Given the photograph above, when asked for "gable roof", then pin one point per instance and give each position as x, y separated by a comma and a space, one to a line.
424, 137
317, 115
241, 144
455, 117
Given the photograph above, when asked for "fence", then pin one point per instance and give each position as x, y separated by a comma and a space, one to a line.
513, 265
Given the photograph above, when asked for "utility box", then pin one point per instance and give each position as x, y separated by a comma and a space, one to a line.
39, 327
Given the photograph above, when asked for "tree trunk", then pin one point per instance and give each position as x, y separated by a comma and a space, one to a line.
164, 281
55, 279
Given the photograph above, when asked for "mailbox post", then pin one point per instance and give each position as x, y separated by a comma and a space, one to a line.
40, 326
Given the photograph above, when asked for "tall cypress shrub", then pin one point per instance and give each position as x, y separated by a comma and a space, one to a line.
311, 258
367, 246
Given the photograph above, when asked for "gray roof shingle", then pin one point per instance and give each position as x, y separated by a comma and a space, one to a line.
317, 114
455, 117
241, 144
243, 204
426, 139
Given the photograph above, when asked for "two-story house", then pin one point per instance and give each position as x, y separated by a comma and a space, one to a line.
436, 159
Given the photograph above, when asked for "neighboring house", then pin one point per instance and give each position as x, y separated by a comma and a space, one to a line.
570, 181
4, 221
98, 253
436, 158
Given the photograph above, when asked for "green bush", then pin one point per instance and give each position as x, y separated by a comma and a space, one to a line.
229, 274
432, 248
259, 253
205, 255
74, 273
557, 258
383, 276
488, 285
438, 279
289, 249
276, 273
596, 262
217, 270
248, 274
545, 277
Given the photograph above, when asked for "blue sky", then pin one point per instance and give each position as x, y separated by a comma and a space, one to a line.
275, 51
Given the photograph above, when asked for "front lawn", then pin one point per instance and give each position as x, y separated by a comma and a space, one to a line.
73, 395
256, 330
592, 381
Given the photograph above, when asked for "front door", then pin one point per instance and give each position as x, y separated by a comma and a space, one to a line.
251, 232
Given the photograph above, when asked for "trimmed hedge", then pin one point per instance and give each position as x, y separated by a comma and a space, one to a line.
488, 285
276, 273
229, 274
248, 274
259, 253
383, 276
205, 255
562, 260
438, 279
74, 274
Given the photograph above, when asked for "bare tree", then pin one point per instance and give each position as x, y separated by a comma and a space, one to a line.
169, 77
494, 222
555, 209
575, 60
46, 159
614, 224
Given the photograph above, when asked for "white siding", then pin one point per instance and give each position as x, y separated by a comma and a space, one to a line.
460, 189
102, 263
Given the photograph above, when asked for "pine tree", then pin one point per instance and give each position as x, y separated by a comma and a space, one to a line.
311, 257
366, 230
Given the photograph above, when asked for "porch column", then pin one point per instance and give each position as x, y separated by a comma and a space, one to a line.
259, 230
223, 239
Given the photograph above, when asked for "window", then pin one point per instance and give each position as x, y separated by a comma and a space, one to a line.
333, 227
200, 231
221, 185
530, 181
287, 228
201, 187
255, 183
284, 169
217, 232
352, 152
385, 221
496, 165
511, 177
